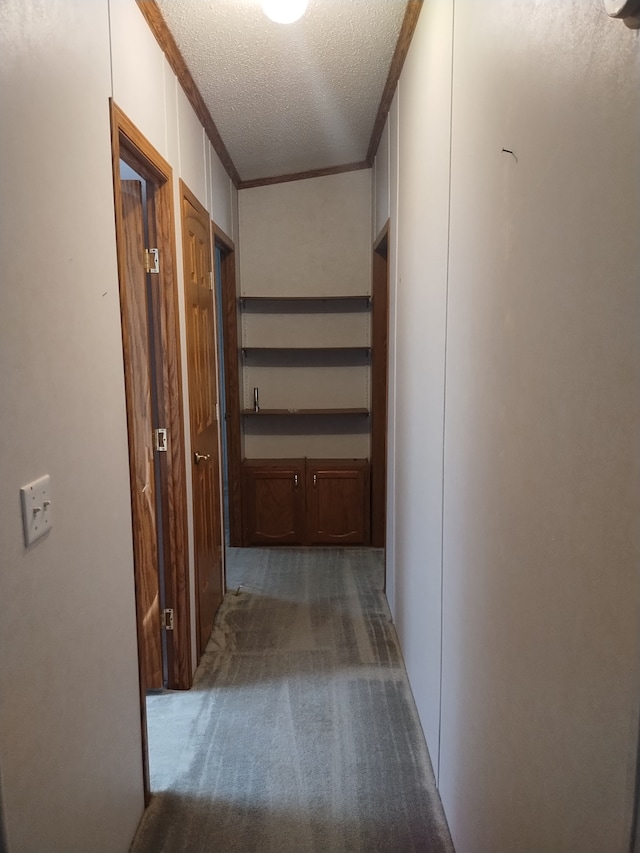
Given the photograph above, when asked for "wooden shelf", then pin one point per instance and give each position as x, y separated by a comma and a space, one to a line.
359, 297
247, 413
361, 351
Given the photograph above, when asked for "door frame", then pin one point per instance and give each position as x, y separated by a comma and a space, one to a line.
230, 350
127, 140
379, 384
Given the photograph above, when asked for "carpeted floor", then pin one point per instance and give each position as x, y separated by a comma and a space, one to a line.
300, 734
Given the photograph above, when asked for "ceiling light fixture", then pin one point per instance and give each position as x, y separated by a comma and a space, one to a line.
284, 11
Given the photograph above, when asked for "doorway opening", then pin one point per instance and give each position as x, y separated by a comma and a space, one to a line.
379, 385
152, 372
228, 337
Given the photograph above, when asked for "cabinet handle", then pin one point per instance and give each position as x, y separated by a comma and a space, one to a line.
295, 480
315, 479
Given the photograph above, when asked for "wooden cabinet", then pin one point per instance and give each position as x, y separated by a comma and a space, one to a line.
337, 501
306, 502
273, 500
306, 387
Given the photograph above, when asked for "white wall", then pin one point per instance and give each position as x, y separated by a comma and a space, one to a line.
381, 186
309, 237
422, 222
70, 752
540, 687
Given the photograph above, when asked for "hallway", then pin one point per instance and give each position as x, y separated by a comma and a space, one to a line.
300, 733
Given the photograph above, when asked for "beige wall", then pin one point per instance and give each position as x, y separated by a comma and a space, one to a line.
70, 753
540, 688
307, 238
69, 715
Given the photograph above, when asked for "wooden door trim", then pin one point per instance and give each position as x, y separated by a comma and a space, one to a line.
379, 383
187, 195
127, 139
230, 349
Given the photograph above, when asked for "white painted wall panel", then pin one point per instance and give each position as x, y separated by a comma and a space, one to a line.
542, 495
423, 175
138, 72
381, 183
171, 87
69, 718
192, 149
390, 550
207, 172
235, 232
220, 193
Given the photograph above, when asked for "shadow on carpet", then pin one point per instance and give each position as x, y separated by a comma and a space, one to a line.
300, 734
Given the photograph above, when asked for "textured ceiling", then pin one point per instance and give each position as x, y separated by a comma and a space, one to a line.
289, 98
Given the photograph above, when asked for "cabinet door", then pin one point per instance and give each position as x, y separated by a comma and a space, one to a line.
338, 502
273, 502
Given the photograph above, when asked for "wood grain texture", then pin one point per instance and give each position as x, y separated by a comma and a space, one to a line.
173, 463
230, 346
274, 502
306, 502
137, 361
303, 176
356, 297
165, 39
338, 502
131, 145
203, 394
411, 15
379, 382
247, 413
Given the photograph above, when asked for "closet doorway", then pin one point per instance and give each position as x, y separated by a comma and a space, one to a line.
145, 238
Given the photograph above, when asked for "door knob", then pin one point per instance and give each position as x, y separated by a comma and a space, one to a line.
201, 457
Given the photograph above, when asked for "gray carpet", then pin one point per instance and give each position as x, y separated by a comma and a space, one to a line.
300, 734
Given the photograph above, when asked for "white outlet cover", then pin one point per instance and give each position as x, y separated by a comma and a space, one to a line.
36, 509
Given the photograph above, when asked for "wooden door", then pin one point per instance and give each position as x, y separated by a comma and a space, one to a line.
338, 500
228, 345
201, 362
133, 302
273, 494
379, 384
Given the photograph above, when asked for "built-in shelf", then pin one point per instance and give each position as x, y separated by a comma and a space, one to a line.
246, 413
356, 297
360, 351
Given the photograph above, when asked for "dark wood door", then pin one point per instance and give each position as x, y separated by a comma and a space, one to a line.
274, 502
379, 387
201, 359
137, 358
338, 500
